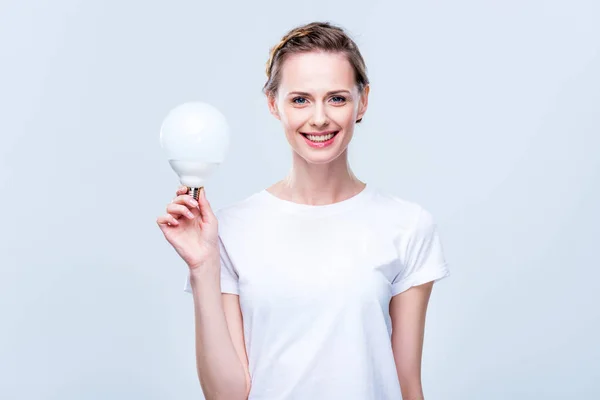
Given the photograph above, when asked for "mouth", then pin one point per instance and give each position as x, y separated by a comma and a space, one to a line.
320, 137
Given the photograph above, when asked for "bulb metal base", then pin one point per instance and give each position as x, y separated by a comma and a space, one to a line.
194, 192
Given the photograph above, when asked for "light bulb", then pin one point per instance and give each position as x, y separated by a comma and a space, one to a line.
195, 138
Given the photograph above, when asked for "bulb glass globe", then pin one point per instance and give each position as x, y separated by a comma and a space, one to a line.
195, 138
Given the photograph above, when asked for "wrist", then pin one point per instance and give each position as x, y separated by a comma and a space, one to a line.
209, 262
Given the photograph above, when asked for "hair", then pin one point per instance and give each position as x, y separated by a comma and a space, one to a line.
315, 36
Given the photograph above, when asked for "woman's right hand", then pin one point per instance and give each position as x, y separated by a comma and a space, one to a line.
191, 228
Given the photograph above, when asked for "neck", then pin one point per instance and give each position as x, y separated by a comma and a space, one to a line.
318, 184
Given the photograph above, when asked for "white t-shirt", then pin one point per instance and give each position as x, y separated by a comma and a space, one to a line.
315, 284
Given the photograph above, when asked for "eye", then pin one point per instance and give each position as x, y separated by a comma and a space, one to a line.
340, 99
294, 100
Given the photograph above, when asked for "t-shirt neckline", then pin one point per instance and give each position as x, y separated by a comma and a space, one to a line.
324, 209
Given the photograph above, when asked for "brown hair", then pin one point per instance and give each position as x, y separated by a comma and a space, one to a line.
315, 36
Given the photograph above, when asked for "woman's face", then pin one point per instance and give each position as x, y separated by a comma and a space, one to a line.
318, 104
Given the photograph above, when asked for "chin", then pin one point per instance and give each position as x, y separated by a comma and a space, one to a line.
313, 154
319, 160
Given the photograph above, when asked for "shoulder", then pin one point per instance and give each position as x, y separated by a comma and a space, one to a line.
399, 210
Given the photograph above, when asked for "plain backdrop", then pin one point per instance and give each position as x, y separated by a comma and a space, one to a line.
487, 113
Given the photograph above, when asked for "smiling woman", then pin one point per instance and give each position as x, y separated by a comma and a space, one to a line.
318, 100
318, 87
324, 281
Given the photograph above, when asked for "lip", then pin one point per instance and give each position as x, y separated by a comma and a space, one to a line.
320, 145
318, 133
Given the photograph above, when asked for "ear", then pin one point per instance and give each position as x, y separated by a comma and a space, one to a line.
272, 102
364, 103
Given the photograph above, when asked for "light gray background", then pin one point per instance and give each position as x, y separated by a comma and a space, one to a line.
485, 112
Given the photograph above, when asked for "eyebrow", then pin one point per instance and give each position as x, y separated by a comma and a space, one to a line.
328, 93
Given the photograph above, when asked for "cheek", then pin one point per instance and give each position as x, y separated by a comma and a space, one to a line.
294, 118
343, 115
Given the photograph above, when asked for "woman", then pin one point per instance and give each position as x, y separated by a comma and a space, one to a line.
316, 287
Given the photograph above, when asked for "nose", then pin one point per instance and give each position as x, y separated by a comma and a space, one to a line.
319, 116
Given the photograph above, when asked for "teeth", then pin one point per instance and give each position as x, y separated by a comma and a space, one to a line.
320, 138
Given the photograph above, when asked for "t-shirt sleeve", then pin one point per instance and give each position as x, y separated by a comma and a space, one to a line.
423, 256
229, 276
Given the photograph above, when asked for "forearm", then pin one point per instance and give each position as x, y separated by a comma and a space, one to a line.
411, 388
220, 371
412, 396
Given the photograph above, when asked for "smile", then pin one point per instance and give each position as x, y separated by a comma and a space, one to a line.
319, 140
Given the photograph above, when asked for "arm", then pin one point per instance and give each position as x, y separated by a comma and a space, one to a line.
233, 315
408, 310
220, 352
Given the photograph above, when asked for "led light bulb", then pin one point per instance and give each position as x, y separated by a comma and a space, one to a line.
195, 138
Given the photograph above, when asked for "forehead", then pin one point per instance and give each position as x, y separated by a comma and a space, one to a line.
316, 71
